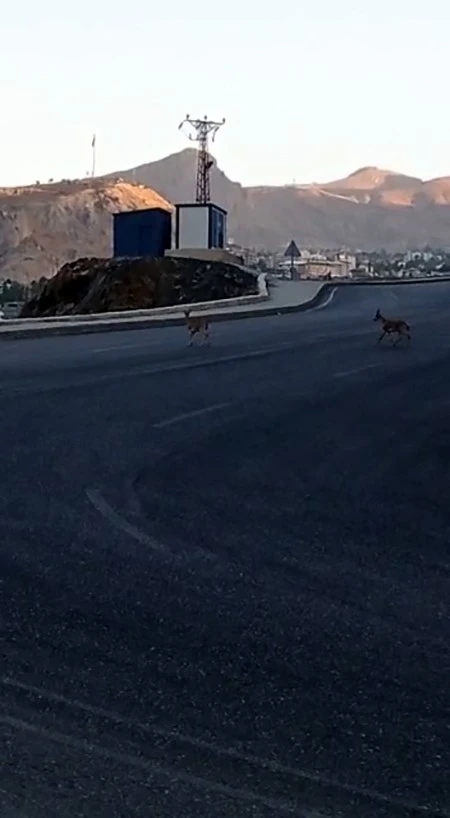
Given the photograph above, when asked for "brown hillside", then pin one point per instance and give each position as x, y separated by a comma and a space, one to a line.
437, 190
371, 208
41, 227
374, 179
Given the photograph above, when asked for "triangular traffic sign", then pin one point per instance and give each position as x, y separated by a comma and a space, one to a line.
292, 250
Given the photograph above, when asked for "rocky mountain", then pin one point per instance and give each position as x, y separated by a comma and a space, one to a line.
43, 226
369, 209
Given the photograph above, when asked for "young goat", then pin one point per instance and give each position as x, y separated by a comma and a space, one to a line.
197, 325
393, 326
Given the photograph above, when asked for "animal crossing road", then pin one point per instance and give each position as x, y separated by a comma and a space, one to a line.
225, 572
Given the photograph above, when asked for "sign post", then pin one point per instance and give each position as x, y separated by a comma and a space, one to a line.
292, 252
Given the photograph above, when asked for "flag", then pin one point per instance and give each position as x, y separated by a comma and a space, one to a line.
93, 141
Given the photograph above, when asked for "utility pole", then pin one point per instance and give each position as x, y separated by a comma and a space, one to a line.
200, 130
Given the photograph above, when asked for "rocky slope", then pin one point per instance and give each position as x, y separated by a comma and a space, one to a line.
41, 227
369, 209
93, 285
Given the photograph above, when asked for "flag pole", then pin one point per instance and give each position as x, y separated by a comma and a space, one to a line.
94, 139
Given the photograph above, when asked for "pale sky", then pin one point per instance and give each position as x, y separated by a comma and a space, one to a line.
310, 90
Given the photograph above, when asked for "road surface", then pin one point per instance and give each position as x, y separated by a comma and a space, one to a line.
225, 572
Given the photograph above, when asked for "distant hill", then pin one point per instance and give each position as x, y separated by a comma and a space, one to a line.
370, 209
43, 226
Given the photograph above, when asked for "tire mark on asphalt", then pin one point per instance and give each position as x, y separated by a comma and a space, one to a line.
173, 735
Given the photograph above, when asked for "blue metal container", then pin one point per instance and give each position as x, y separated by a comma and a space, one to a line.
138, 233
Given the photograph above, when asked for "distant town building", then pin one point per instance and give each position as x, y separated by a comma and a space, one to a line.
322, 268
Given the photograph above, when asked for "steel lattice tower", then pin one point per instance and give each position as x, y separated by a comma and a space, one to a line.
200, 131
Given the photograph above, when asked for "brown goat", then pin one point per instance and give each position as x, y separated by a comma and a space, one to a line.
393, 326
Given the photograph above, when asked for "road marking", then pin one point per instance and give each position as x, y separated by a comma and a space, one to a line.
152, 767
173, 734
394, 296
328, 301
142, 345
116, 520
31, 389
122, 524
347, 372
188, 415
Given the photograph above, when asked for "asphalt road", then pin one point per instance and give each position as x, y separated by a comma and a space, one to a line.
225, 572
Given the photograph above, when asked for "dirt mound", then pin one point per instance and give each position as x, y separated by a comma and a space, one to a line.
92, 285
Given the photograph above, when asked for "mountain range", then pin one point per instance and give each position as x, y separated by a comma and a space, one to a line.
42, 226
369, 209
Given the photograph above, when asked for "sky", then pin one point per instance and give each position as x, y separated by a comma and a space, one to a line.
310, 90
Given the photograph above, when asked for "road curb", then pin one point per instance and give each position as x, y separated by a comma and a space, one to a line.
122, 325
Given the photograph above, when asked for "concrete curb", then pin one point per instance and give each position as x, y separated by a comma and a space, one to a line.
169, 321
392, 282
